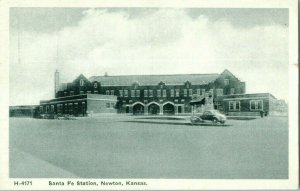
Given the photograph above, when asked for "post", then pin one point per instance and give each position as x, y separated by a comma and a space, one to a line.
146, 110
161, 109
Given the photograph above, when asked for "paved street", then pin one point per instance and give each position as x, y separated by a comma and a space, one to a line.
117, 146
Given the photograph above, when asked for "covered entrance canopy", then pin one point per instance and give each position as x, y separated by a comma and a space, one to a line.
200, 100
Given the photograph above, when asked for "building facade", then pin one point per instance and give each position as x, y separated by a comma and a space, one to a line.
247, 104
23, 111
153, 94
79, 105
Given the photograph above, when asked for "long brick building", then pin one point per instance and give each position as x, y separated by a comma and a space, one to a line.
158, 94
141, 94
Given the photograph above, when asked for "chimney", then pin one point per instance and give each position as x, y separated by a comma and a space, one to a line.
56, 82
105, 74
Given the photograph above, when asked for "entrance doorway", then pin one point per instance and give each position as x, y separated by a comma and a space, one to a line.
138, 109
153, 109
127, 109
168, 109
179, 109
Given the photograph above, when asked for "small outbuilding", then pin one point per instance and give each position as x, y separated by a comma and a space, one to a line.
247, 104
79, 105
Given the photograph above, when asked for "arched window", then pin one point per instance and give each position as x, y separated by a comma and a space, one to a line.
81, 82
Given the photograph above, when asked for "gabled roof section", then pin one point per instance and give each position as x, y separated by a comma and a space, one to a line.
81, 76
228, 73
171, 79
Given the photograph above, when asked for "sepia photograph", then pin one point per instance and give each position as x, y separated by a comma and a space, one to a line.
103, 96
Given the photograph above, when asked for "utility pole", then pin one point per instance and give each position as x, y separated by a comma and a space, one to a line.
19, 43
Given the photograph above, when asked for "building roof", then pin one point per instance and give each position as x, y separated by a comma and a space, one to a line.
249, 96
172, 79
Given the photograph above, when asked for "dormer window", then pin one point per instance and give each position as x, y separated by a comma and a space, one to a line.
161, 84
81, 82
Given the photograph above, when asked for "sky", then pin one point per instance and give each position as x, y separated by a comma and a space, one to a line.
251, 43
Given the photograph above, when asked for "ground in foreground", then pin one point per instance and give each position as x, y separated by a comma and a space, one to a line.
121, 147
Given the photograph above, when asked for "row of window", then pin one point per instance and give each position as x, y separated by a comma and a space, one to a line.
67, 108
146, 101
159, 93
163, 93
254, 105
110, 105
81, 92
81, 83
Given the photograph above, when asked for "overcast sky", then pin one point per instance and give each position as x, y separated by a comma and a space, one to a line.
251, 43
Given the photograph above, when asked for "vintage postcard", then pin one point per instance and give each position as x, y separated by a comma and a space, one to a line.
148, 95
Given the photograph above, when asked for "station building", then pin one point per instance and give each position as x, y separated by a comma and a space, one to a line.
140, 94
156, 94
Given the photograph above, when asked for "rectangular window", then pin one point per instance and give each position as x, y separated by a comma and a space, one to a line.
226, 82
65, 93
59, 108
47, 109
150, 93
96, 92
71, 93
145, 93
219, 92
172, 92
182, 100
138, 93
176, 100
184, 92
121, 93
158, 93
107, 92
164, 93
132, 93
76, 107
112, 105
125, 93
203, 92
231, 90
52, 108
66, 108
256, 105
112, 92
41, 109
177, 92
190, 92
70, 108
234, 105
88, 92
198, 91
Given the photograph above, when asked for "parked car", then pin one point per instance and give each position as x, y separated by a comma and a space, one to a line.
209, 115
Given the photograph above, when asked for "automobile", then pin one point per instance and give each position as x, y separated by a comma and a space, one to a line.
209, 115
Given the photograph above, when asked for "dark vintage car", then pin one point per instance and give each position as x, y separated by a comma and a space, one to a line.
209, 115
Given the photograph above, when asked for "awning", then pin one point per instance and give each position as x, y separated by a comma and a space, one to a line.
198, 101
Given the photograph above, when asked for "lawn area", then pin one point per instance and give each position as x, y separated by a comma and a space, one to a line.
117, 146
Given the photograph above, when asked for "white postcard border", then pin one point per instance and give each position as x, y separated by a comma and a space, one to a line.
7, 183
